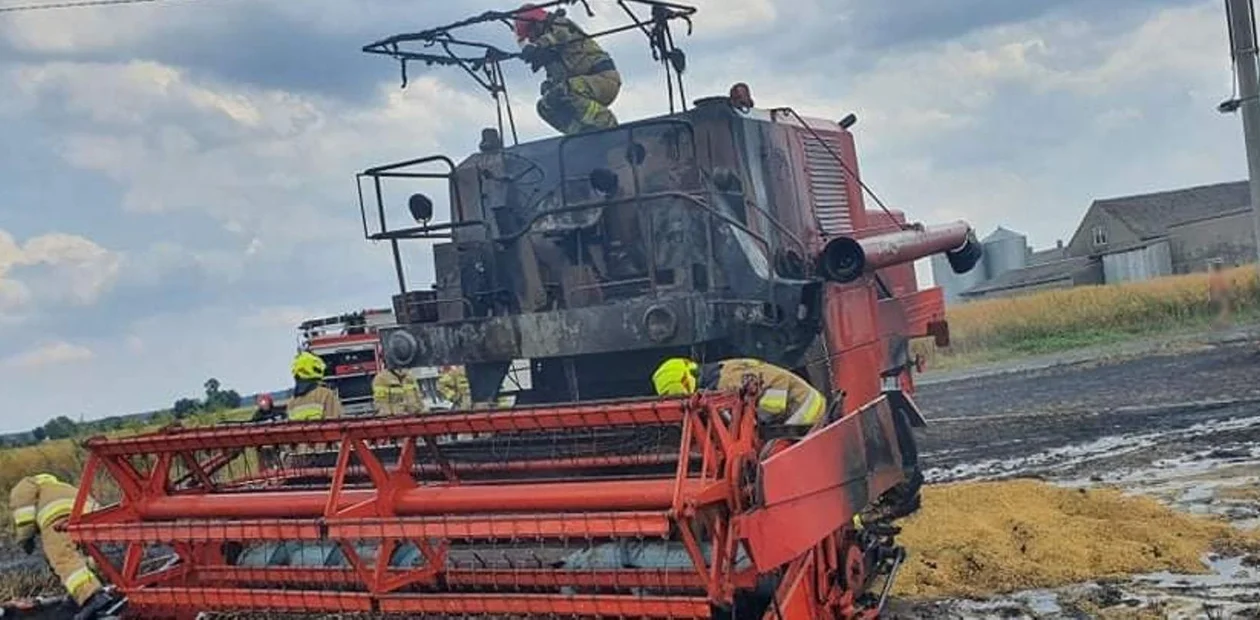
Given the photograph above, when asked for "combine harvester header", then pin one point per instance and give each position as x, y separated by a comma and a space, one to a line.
718, 231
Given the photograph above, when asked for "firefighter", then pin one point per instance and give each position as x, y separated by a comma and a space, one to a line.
395, 391
312, 400
41, 504
786, 398
453, 386
267, 410
582, 80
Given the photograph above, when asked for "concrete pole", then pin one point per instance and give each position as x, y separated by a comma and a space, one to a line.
1241, 17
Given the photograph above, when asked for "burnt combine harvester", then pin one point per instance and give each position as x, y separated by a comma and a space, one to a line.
717, 230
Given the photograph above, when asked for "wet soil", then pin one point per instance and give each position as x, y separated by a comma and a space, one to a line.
1180, 424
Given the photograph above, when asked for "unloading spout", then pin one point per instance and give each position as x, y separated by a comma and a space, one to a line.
845, 259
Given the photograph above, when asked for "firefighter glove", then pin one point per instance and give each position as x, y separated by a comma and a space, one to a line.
536, 56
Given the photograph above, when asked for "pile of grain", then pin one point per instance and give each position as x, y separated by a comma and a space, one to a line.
976, 539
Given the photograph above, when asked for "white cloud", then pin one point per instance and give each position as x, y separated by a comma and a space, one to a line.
278, 317
714, 19
52, 354
272, 167
54, 268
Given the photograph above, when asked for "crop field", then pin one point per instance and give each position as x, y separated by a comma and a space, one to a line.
1092, 315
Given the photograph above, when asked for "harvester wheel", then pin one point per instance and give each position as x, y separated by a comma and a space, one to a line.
848, 579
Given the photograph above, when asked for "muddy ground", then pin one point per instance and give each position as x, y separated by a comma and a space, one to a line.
1182, 425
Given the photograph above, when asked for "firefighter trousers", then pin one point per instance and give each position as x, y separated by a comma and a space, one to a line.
580, 103
68, 563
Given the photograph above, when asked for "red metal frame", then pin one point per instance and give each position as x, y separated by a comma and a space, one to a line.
394, 509
708, 500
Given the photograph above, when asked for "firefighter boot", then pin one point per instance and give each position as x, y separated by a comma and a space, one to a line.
106, 603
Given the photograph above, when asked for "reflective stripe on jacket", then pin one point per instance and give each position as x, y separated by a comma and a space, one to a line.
786, 398
320, 403
39, 502
453, 386
395, 391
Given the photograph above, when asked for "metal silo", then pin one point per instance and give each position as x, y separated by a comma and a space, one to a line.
953, 284
1004, 251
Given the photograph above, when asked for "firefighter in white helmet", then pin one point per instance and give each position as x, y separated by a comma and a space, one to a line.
41, 505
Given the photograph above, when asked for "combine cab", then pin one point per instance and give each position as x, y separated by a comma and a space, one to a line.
717, 230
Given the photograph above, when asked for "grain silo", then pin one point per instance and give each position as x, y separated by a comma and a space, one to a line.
1004, 251
953, 284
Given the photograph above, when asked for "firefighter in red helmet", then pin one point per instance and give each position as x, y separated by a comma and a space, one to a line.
582, 80
267, 410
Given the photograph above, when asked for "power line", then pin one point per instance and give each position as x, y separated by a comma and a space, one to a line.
21, 8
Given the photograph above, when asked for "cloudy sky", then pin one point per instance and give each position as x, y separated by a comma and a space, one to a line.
176, 179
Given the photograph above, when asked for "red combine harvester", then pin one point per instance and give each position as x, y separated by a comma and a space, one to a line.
714, 231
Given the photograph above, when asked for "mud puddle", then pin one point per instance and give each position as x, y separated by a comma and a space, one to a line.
1230, 590
1183, 429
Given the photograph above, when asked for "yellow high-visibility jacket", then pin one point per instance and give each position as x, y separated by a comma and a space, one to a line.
453, 386
320, 403
786, 398
39, 503
395, 392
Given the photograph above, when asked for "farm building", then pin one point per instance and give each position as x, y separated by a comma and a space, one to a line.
1126, 239
1006, 256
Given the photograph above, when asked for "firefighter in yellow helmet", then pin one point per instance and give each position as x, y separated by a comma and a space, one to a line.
395, 391
453, 386
312, 400
786, 398
41, 505
582, 80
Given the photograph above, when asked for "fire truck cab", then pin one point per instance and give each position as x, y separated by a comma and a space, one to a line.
350, 346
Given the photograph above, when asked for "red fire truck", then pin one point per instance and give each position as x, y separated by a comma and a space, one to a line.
349, 345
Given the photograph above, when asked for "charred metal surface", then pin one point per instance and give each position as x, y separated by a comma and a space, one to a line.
624, 326
696, 233
660, 236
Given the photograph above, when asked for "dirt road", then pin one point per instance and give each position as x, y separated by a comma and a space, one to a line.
1182, 425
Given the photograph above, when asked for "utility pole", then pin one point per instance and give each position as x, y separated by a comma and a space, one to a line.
1242, 31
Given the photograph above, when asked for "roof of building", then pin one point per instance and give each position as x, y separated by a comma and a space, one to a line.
1048, 255
1150, 215
1002, 234
1032, 275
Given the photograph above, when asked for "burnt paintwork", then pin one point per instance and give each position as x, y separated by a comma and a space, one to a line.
684, 234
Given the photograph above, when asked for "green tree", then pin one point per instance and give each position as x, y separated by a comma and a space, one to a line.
229, 399
185, 407
212, 386
60, 427
39, 434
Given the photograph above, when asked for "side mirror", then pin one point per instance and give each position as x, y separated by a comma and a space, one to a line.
421, 207
848, 121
